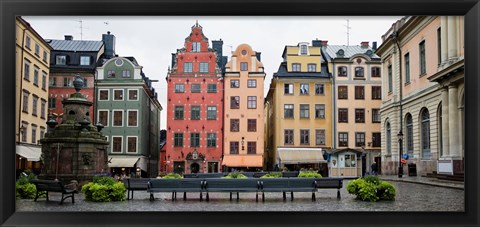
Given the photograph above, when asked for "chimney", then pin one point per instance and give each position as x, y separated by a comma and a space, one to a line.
374, 46
364, 44
324, 43
68, 37
174, 60
259, 55
317, 43
109, 44
218, 47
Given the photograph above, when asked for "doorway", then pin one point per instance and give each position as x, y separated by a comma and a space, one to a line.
378, 160
194, 167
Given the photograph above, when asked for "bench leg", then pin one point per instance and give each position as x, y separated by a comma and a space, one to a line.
284, 196
201, 196
132, 195
256, 196
237, 196
208, 198
46, 192
338, 194
230, 196
184, 195
291, 195
151, 197
313, 196
263, 196
73, 197
173, 196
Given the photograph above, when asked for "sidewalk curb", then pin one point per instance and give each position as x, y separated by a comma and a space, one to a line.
425, 183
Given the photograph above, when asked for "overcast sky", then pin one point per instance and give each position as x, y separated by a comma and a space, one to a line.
151, 40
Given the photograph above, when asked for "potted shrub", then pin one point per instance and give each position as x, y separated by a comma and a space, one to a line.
24, 189
371, 188
309, 174
235, 175
104, 189
272, 175
172, 176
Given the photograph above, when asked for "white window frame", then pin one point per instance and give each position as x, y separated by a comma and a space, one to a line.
128, 117
82, 59
113, 117
108, 116
59, 57
113, 95
300, 49
128, 92
196, 47
121, 144
136, 145
108, 94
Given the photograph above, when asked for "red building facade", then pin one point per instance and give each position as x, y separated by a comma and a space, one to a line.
195, 107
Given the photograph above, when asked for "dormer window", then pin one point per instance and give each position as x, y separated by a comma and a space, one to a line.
61, 60
303, 49
85, 60
340, 53
195, 46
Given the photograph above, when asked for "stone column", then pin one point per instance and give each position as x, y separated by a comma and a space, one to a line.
452, 37
445, 123
454, 148
444, 38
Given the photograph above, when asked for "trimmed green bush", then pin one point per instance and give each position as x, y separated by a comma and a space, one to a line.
25, 189
371, 188
235, 175
104, 189
172, 176
309, 174
272, 175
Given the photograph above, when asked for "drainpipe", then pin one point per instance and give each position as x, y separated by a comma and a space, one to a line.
400, 134
21, 86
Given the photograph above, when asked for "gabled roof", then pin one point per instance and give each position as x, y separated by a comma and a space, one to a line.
75, 45
349, 51
282, 72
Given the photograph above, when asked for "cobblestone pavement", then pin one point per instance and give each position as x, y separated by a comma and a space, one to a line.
410, 197
425, 180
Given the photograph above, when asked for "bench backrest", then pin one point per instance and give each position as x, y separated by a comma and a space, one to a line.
49, 185
211, 175
163, 183
190, 183
329, 182
274, 182
138, 182
232, 183
290, 174
190, 175
301, 182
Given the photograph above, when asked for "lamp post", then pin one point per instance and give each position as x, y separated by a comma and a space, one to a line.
400, 144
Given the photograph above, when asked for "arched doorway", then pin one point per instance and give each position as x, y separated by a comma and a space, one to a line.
194, 167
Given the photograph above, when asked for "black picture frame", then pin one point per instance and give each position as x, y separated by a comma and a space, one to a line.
11, 8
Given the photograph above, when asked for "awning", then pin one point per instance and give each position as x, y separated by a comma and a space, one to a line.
243, 160
30, 153
122, 161
300, 155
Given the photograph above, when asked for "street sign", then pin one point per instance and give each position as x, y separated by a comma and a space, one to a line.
405, 156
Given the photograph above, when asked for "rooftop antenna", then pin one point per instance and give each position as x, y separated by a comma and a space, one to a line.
81, 29
231, 47
348, 32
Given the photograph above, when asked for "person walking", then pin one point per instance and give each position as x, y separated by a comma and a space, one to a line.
374, 168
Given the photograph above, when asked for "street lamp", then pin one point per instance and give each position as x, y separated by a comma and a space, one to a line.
400, 144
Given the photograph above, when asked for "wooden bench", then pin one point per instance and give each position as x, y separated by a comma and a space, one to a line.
236, 185
135, 184
45, 186
330, 183
290, 174
285, 185
175, 185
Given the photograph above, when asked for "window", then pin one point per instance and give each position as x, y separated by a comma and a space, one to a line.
319, 89
303, 50
376, 139
212, 88
359, 92
37, 50
376, 116
252, 125
359, 115
111, 74
179, 88
52, 103
342, 92
34, 105
132, 144
439, 45
103, 95
358, 71
252, 102
35, 75
195, 88
304, 136
117, 144
27, 42
52, 82
343, 115
42, 132
118, 118
195, 46
233, 147
389, 139
61, 60
319, 137
409, 135
133, 118
304, 111
103, 117
26, 70
234, 125
234, 102
67, 82
126, 73
320, 111
234, 83
84, 60
44, 80
178, 139
243, 66
211, 139
194, 139
251, 147
252, 83
188, 67
132, 94
376, 92
390, 79
304, 89
211, 112
288, 136
376, 72
204, 67
296, 67
25, 131
288, 111
45, 56
288, 89
42, 108
25, 101
407, 68
423, 64
359, 139
195, 113
425, 129
179, 112
117, 95
34, 133
350, 160
342, 71
312, 67
343, 139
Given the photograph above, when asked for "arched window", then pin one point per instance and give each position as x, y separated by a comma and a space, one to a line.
425, 129
389, 139
409, 135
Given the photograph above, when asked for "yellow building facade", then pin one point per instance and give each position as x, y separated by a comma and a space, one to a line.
32, 59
